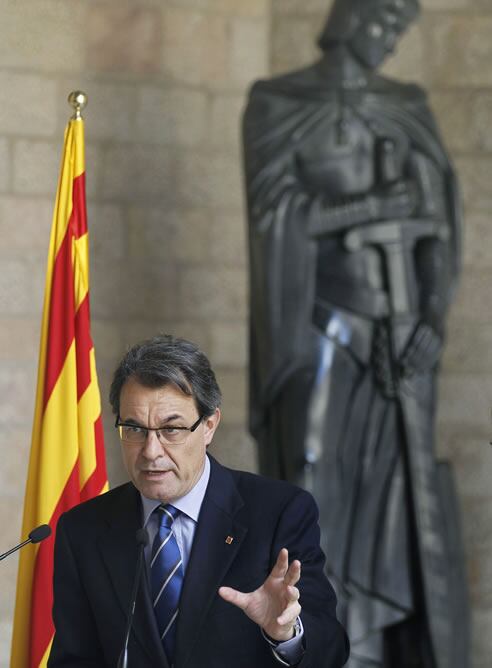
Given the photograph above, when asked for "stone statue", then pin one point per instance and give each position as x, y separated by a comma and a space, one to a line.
354, 233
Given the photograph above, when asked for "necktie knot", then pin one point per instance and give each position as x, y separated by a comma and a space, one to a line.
167, 514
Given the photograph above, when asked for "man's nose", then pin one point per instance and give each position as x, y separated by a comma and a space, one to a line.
152, 447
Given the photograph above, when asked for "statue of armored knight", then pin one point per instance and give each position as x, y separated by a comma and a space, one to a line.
354, 234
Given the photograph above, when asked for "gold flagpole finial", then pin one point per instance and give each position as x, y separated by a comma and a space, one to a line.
78, 100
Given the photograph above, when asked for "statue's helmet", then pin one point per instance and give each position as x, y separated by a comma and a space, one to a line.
347, 16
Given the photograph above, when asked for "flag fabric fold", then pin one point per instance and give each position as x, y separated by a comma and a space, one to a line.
67, 462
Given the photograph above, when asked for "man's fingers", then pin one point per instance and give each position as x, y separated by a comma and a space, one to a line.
292, 594
235, 597
281, 565
293, 574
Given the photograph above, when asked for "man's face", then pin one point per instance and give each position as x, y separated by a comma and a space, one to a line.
164, 472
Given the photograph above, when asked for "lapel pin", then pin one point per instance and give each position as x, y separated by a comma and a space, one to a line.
229, 540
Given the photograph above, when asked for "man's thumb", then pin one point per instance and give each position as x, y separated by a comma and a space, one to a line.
234, 596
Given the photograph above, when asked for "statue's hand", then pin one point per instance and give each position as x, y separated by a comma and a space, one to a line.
422, 352
397, 201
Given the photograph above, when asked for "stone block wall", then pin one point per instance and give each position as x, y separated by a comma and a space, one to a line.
449, 52
166, 82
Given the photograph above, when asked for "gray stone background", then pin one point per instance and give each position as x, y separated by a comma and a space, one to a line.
166, 81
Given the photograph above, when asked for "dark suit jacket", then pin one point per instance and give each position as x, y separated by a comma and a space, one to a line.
95, 559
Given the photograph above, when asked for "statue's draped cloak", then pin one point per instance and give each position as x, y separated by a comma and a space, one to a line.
281, 115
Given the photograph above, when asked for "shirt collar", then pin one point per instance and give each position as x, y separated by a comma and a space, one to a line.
189, 504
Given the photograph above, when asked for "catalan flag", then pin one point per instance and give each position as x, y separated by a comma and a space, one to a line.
67, 463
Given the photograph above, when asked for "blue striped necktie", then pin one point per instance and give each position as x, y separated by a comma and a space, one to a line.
166, 576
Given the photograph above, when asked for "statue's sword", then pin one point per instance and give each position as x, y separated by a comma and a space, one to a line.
397, 240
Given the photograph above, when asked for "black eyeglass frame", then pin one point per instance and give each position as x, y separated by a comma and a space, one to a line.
191, 429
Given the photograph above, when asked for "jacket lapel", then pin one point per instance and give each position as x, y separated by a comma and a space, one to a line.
211, 557
119, 552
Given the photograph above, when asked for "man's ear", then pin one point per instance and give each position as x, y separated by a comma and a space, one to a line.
210, 424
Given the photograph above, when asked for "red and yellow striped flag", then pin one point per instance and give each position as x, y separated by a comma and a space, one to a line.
67, 463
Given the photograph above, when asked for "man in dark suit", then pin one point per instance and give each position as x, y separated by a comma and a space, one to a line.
218, 589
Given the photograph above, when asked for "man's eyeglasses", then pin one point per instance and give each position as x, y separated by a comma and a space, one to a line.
134, 434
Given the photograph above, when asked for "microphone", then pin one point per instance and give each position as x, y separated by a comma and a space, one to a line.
142, 538
36, 536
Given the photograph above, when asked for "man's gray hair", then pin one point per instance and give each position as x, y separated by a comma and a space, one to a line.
168, 360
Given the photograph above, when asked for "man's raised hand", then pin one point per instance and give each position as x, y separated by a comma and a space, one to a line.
275, 605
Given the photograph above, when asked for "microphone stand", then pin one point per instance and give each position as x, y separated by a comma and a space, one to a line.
142, 540
36, 536
14, 549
